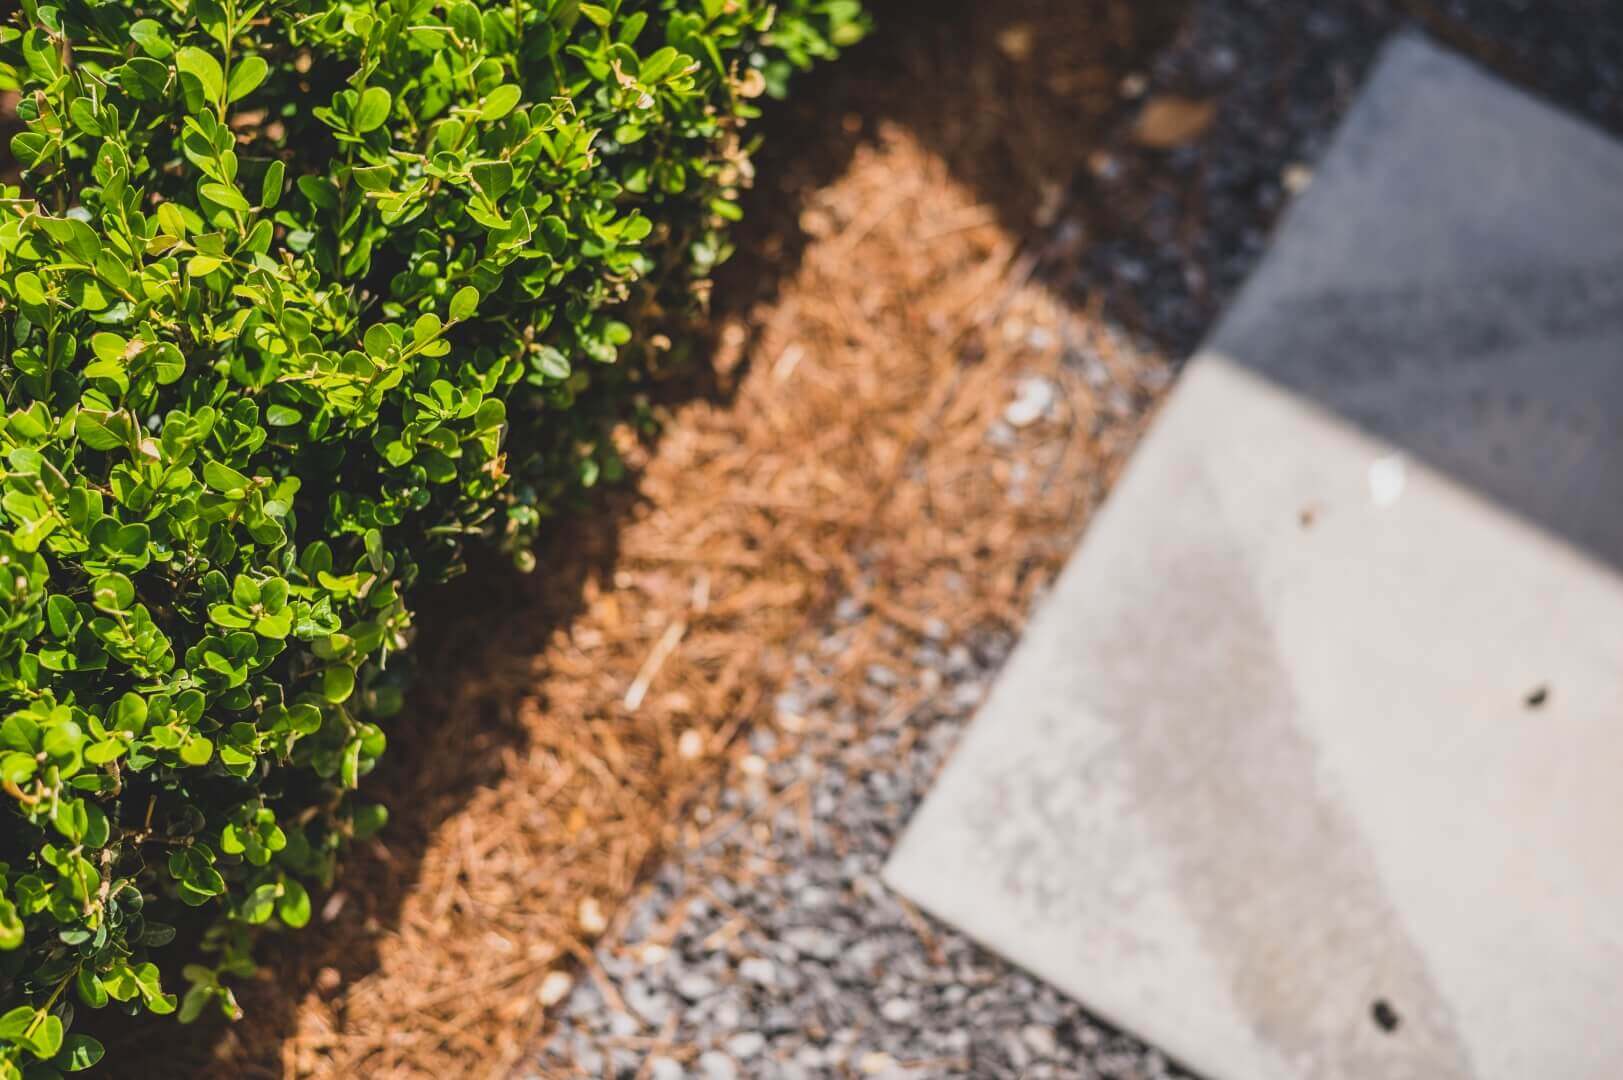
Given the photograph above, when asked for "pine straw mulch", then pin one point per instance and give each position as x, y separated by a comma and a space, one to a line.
573, 725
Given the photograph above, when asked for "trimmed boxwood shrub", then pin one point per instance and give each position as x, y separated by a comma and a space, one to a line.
296, 298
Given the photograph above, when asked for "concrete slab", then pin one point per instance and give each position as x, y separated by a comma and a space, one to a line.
1308, 767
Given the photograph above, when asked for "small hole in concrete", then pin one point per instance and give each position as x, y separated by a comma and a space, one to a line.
1537, 696
1386, 1017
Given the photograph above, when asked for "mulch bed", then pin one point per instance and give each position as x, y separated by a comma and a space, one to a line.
958, 208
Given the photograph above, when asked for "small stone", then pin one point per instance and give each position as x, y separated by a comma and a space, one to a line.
1170, 121
810, 941
590, 915
1033, 398
1019, 1054
875, 1062
898, 1010
746, 1044
646, 1002
881, 676
714, 1065
555, 987
1040, 1039
690, 744
696, 987
664, 1068
726, 1016
1296, 178
758, 970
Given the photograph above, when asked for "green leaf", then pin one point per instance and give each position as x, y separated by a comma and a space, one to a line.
151, 37
270, 188
112, 592
371, 111
91, 990
84, 117
227, 196
246, 75
41, 55
11, 926
79, 1052
230, 616
16, 1021
337, 683
373, 178
29, 288
464, 303
499, 102
202, 67
493, 177
223, 478
31, 147
426, 328
95, 432
294, 906
46, 1039
168, 364
275, 626
196, 751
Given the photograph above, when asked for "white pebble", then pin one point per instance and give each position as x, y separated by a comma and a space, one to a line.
592, 919
898, 1010
875, 1062
746, 1044
714, 1065
555, 987
690, 745
1033, 399
1040, 1039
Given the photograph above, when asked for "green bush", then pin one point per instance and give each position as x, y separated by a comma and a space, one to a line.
295, 299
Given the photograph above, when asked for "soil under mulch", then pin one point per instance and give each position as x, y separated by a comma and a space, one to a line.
952, 223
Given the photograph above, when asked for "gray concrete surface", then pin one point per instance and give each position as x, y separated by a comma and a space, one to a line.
1308, 766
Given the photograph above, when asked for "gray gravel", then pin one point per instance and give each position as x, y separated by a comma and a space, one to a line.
789, 958
793, 960
1175, 233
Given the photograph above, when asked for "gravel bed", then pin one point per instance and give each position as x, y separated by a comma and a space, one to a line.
1175, 233
791, 959
774, 950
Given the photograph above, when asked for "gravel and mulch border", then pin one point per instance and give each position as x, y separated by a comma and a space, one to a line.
770, 947
663, 770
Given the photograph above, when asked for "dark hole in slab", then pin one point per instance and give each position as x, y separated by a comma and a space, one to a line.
1537, 697
1386, 1017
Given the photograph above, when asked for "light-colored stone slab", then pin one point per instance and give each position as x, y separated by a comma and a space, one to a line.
1265, 757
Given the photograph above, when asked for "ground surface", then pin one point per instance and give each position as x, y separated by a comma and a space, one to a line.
772, 948
963, 285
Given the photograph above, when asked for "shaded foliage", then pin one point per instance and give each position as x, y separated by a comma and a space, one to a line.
295, 299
